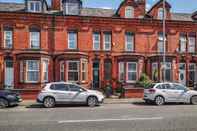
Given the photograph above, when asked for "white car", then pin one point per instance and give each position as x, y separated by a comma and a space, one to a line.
161, 93
68, 93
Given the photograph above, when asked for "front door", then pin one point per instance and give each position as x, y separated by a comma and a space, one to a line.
9, 74
182, 74
96, 77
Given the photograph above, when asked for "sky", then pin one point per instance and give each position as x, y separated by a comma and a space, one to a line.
186, 6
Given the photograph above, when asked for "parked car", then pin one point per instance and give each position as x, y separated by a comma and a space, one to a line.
68, 93
9, 98
161, 93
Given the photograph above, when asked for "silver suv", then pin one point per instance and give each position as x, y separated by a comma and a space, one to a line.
161, 93
68, 93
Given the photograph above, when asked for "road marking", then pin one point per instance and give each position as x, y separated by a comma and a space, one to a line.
109, 120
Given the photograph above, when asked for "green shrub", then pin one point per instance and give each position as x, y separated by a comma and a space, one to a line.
144, 81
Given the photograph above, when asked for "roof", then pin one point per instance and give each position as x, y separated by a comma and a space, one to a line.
159, 2
97, 12
12, 6
181, 17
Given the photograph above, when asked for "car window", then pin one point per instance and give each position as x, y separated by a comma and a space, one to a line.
74, 88
179, 87
168, 86
59, 87
150, 86
161, 86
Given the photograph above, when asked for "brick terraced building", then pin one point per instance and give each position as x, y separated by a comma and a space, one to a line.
91, 46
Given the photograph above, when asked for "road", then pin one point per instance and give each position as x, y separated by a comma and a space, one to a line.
108, 117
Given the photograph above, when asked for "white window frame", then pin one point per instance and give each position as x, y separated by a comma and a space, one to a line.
85, 70
129, 12
155, 64
183, 43
95, 41
10, 39
78, 71
21, 71
191, 44
127, 43
161, 14
27, 70
34, 42
34, 6
74, 40
62, 71
107, 42
45, 70
121, 70
131, 71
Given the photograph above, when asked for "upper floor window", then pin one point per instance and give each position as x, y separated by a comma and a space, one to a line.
160, 44
107, 41
183, 43
8, 38
191, 44
96, 41
32, 70
129, 43
161, 13
34, 6
71, 8
34, 39
129, 12
72, 40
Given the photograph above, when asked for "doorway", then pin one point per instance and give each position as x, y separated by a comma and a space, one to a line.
96, 78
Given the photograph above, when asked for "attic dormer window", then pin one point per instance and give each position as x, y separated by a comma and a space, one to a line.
161, 13
129, 12
34, 6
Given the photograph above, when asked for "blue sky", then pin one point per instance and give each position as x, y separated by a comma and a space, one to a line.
187, 6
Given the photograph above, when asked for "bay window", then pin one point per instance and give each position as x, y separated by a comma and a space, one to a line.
32, 70
73, 71
72, 40
191, 44
21, 71
96, 41
62, 78
129, 43
34, 39
45, 70
131, 72
121, 72
8, 39
107, 41
183, 43
155, 73
84, 70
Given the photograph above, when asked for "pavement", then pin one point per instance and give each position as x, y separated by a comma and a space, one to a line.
114, 115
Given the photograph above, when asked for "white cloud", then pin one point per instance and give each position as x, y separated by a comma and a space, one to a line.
148, 6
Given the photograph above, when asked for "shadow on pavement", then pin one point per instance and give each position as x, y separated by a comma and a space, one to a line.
57, 106
152, 104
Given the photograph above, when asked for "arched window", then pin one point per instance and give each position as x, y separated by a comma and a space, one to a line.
129, 12
161, 13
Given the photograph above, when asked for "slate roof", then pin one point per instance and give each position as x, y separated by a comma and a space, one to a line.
181, 17
12, 7
97, 12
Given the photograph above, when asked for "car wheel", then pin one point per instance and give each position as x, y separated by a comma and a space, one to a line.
159, 100
92, 101
3, 103
194, 100
49, 102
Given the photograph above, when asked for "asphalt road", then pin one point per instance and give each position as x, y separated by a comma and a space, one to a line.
108, 117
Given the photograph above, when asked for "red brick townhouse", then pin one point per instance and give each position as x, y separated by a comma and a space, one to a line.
91, 46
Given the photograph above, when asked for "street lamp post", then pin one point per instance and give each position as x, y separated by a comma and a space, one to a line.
164, 41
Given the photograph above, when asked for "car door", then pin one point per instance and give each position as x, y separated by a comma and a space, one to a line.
181, 92
61, 92
78, 94
170, 92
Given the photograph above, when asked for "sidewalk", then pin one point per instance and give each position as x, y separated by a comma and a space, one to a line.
107, 101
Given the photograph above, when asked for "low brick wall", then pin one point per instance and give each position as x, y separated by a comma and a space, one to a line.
134, 93
28, 94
